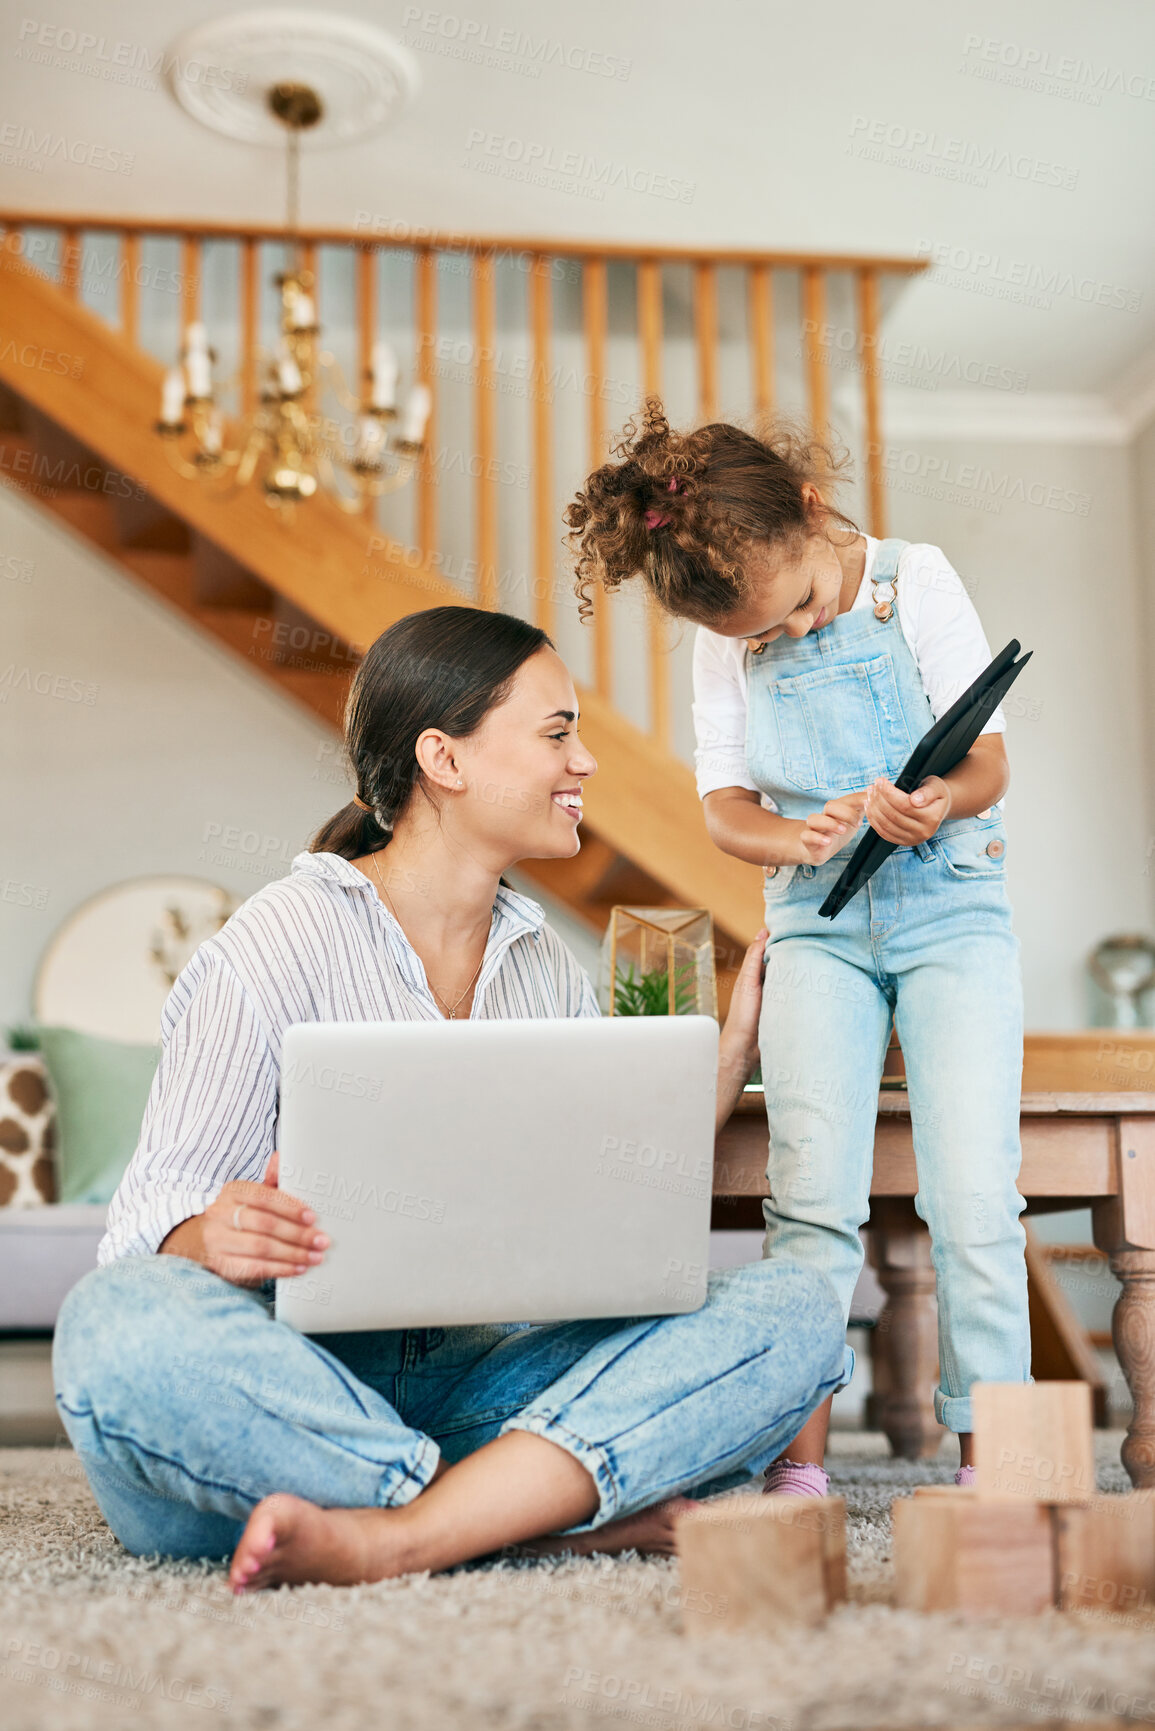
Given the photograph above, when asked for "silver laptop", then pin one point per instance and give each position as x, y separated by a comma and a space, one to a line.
499, 1171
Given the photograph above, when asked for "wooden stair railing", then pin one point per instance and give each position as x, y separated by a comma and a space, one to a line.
338, 580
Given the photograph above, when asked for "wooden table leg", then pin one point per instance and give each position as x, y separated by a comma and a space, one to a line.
1125, 1228
1133, 1331
904, 1341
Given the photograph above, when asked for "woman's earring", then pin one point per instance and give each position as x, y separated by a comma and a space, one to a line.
460, 783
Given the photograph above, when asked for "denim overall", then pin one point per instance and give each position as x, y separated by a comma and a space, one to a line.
928, 940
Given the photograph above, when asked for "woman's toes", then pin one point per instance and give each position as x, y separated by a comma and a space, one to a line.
272, 1518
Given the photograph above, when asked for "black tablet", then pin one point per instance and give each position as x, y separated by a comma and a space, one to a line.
939, 750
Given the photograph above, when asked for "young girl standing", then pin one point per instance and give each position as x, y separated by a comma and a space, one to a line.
822, 657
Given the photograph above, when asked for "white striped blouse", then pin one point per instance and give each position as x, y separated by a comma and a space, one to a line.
317, 946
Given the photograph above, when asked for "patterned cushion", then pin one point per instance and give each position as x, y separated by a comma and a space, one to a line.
27, 1133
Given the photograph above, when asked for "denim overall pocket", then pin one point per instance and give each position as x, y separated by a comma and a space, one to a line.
776, 882
974, 849
834, 724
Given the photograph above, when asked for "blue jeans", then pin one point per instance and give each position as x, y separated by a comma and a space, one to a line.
928, 939
188, 1402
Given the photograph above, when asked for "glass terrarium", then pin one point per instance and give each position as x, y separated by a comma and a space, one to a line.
658, 962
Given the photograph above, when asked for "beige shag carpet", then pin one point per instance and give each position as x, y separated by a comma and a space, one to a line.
92, 1639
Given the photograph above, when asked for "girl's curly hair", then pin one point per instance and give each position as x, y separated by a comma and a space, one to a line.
712, 491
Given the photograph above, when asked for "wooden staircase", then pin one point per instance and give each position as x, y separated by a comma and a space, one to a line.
299, 608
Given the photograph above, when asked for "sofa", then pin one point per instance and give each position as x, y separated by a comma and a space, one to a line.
44, 1252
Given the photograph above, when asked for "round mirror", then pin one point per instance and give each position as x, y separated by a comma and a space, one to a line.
111, 965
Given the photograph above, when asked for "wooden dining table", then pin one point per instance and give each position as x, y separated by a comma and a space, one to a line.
1080, 1150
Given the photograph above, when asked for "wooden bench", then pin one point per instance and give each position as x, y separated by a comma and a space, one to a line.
1080, 1150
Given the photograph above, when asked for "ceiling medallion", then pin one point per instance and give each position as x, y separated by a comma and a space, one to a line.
221, 74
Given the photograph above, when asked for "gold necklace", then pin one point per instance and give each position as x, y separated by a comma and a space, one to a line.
450, 1010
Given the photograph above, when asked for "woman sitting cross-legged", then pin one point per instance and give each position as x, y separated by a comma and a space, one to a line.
208, 1427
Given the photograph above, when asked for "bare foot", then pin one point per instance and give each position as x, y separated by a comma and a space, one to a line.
650, 1530
289, 1539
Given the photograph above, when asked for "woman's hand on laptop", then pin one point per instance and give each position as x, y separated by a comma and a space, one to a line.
738, 1044
252, 1232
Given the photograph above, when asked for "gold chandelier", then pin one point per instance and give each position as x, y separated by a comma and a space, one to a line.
281, 445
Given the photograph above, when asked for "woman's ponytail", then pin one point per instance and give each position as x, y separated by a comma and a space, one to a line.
351, 832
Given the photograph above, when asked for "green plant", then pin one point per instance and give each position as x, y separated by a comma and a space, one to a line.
649, 994
22, 1039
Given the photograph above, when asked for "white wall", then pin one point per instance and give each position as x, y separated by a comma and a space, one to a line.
176, 737
1143, 485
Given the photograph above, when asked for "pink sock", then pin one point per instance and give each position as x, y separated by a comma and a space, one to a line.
796, 1479
965, 1476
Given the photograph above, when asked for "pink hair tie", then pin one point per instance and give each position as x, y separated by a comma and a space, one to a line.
655, 519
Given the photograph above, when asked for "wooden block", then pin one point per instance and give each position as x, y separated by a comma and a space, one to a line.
973, 1553
1106, 1553
755, 1561
1034, 1439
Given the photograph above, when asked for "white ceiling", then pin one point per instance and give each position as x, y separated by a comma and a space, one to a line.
761, 107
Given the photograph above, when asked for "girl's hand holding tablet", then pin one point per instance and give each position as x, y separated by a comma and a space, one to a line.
903, 818
908, 818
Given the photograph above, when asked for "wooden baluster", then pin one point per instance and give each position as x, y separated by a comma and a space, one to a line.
706, 335
760, 303
425, 265
868, 346
366, 318
366, 333
129, 285
190, 280
250, 322
650, 335
814, 317
484, 384
71, 262
595, 312
544, 527
650, 324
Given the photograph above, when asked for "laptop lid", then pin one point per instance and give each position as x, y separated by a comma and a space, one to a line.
499, 1171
